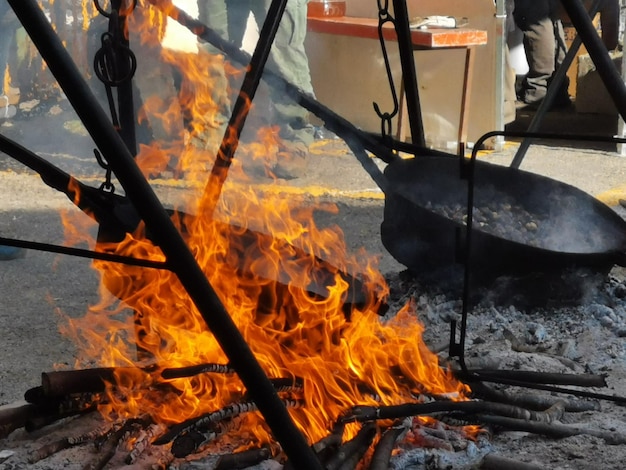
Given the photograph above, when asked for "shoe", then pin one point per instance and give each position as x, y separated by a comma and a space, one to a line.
291, 159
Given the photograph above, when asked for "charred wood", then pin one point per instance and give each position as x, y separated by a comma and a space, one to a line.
190, 371
349, 454
384, 448
15, 416
49, 410
369, 413
206, 420
245, 459
57, 446
110, 441
190, 441
533, 402
579, 380
554, 430
61, 383
142, 441
326, 447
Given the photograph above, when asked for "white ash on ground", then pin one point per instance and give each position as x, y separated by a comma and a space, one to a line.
586, 338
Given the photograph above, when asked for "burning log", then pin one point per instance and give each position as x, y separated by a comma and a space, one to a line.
208, 419
50, 409
191, 440
142, 442
245, 459
111, 440
384, 448
369, 413
349, 454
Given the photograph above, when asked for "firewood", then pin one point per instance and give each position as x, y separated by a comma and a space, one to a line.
579, 380
369, 413
245, 459
15, 416
534, 402
352, 451
142, 442
206, 420
108, 448
384, 448
192, 440
190, 371
554, 430
65, 443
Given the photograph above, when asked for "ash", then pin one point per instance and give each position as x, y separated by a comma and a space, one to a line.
580, 336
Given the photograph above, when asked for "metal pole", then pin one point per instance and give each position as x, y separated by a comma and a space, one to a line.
409, 74
597, 51
251, 81
553, 89
165, 234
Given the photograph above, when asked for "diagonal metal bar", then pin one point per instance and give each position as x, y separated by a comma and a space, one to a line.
597, 51
409, 74
241, 108
166, 236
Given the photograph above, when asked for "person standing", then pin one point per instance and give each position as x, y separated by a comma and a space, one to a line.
287, 58
544, 44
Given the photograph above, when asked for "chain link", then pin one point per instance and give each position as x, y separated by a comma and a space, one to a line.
386, 117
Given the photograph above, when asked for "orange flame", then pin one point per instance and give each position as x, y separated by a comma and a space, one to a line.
264, 282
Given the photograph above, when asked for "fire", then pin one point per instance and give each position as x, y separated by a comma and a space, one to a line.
261, 252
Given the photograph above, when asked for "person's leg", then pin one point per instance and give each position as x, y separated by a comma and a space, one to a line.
534, 19
289, 59
238, 14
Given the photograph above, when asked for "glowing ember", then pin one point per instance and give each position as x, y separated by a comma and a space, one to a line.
261, 280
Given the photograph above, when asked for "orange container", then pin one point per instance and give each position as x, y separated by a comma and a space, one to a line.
326, 8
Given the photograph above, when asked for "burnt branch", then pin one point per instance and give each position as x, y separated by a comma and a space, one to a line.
384, 448
244, 459
533, 377
349, 454
554, 430
534, 402
190, 441
206, 420
57, 446
369, 413
13, 417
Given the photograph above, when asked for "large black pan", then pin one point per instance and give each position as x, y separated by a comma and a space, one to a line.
571, 228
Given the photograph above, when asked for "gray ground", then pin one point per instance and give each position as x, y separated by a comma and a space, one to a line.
39, 289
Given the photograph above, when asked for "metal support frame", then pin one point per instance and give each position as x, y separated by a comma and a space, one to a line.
457, 348
409, 73
166, 236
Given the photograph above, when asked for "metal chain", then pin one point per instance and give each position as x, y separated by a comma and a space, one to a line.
386, 117
106, 60
107, 186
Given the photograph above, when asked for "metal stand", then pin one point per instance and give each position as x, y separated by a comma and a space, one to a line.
166, 235
457, 348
